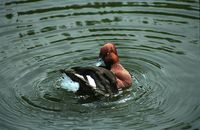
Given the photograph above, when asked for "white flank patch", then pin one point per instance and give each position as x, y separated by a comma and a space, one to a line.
68, 84
91, 81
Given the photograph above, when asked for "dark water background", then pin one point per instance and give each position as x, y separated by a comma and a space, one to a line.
158, 42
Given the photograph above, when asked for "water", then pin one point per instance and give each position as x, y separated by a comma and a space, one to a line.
158, 42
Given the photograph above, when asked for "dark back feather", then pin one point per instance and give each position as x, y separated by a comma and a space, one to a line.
105, 80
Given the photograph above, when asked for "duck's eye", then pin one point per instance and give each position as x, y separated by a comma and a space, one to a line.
108, 53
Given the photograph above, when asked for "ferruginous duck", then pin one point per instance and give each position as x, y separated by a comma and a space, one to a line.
98, 80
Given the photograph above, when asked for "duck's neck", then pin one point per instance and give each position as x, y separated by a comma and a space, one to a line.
115, 65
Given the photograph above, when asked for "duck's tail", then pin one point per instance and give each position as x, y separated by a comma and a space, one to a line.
68, 84
77, 83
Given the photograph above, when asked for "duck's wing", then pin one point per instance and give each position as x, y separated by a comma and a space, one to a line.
93, 80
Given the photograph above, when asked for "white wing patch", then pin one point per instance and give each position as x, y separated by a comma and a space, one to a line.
70, 85
80, 76
91, 81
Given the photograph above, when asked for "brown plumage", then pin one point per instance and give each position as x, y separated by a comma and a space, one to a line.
106, 81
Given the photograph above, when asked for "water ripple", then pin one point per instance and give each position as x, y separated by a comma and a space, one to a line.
157, 41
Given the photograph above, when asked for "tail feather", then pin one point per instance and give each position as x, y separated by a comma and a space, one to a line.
68, 84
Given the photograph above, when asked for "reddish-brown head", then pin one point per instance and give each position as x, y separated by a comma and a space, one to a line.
109, 54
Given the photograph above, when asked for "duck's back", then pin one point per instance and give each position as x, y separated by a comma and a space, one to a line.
93, 80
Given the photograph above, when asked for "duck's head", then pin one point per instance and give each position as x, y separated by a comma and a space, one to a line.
108, 53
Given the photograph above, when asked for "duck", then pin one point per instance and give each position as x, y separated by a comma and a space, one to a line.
100, 80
